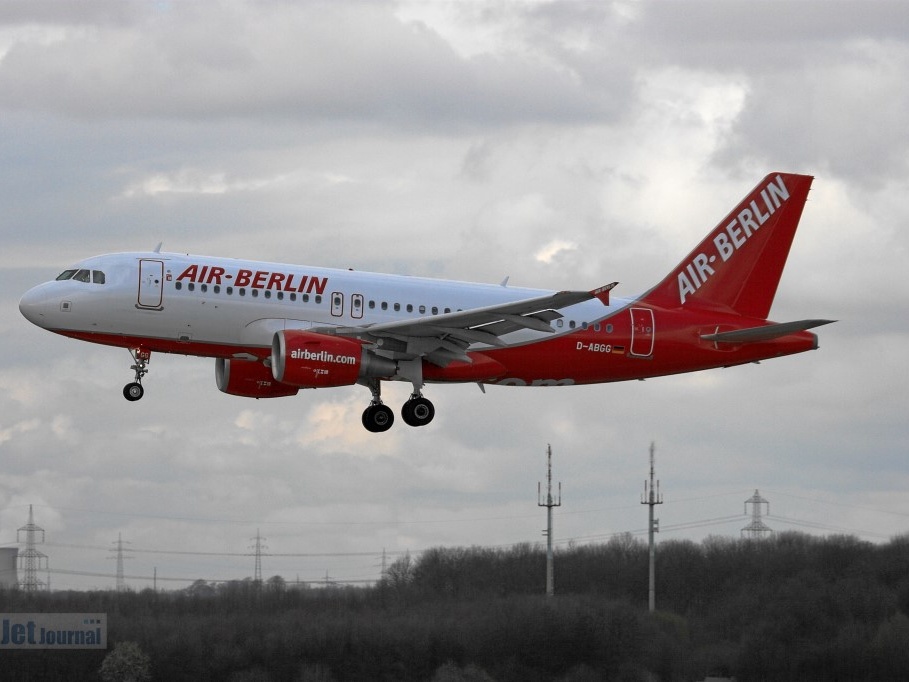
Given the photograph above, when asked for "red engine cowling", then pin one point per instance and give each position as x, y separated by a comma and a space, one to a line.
309, 360
249, 379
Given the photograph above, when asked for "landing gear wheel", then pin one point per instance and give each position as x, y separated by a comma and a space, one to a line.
378, 418
133, 391
418, 411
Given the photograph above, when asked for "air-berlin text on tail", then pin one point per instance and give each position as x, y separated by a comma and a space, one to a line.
733, 236
256, 279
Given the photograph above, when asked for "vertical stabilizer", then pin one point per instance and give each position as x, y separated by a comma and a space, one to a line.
738, 265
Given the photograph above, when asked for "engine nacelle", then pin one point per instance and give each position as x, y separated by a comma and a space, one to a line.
249, 379
309, 360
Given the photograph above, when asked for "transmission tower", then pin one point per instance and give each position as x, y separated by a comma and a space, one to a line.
549, 504
30, 561
757, 529
652, 497
258, 547
119, 556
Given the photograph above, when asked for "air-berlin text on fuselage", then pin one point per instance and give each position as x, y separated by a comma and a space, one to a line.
733, 236
256, 279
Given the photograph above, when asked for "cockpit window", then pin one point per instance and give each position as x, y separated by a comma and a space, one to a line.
82, 275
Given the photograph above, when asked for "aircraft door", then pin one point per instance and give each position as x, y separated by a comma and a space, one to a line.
642, 330
151, 284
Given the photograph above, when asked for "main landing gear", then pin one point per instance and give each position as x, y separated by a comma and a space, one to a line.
134, 391
378, 417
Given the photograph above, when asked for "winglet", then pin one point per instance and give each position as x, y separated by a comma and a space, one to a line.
603, 293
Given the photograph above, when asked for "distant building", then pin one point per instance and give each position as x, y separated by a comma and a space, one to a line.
8, 561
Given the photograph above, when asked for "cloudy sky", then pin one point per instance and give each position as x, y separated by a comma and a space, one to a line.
563, 144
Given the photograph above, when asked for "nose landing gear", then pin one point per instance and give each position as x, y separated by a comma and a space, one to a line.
133, 391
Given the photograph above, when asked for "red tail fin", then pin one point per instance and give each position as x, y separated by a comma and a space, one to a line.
739, 264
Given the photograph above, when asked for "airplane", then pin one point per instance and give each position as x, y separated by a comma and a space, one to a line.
274, 328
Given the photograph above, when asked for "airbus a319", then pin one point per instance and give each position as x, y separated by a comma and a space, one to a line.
274, 329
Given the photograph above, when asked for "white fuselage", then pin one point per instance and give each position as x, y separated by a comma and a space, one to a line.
219, 307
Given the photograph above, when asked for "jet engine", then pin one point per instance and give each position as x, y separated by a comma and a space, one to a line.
310, 360
249, 379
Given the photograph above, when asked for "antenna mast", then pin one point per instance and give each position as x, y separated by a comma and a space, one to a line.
652, 497
549, 504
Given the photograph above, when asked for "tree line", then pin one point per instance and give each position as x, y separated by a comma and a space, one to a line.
790, 607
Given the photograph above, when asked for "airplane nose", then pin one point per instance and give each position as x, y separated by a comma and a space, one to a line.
33, 306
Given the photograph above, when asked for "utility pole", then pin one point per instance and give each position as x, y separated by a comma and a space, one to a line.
652, 497
549, 504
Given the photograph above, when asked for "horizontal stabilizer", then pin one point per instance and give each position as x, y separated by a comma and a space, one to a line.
765, 333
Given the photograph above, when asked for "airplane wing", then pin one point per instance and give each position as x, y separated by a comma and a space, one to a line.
444, 338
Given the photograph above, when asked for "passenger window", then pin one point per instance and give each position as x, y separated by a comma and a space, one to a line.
409, 308
178, 286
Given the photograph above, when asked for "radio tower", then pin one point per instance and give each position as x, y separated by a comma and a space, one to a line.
757, 529
549, 504
652, 497
31, 559
258, 547
121, 580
